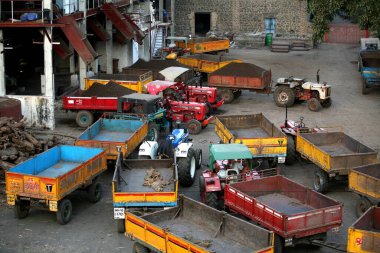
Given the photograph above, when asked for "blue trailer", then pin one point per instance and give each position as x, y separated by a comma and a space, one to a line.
51, 176
369, 64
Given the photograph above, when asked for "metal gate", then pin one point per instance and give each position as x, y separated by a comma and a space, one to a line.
345, 34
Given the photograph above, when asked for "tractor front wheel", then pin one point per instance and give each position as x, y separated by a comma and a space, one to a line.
314, 105
186, 168
194, 126
284, 96
326, 103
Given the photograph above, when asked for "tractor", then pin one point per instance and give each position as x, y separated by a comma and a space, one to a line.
182, 92
290, 90
145, 106
229, 163
178, 145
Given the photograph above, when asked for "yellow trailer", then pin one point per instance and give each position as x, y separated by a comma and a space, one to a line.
204, 45
206, 63
334, 153
263, 139
365, 181
364, 234
195, 227
133, 79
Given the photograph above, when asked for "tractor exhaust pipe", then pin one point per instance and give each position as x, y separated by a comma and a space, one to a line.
286, 115
318, 75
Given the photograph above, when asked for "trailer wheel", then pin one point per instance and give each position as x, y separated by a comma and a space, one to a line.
364, 86
362, 205
321, 180
194, 126
138, 248
120, 225
211, 199
152, 132
278, 244
84, 118
186, 168
237, 94
284, 96
198, 158
314, 105
65, 210
21, 209
291, 156
94, 192
326, 103
228, 95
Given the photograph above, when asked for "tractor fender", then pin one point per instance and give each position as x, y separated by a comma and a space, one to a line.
212, 182
148, 148
182, 149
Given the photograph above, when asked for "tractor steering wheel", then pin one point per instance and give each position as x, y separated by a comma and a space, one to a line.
300, 123
290, 79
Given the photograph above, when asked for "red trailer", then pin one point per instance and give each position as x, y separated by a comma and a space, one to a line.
235, 77
294, 212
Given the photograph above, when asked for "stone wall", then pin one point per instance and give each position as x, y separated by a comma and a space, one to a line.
244, 16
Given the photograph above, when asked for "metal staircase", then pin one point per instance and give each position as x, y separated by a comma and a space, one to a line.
159, 41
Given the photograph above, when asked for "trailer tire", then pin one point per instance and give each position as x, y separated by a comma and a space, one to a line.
84, 118
153, 132
120, 225
365, 90
321, 181
278, 244
198, 158
138, 248
211, 199
284, 96
326, 103
186, 168
194, 126
314, 105
237, 94
362, 205
291, 155
65, 210
228, 95
94, 192
21, 209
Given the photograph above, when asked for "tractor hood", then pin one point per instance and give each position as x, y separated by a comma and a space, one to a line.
314, 86
158, 86
229, 152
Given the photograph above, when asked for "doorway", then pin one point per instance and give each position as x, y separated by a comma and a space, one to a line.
202, 23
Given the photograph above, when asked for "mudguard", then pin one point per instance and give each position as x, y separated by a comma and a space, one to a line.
182, 149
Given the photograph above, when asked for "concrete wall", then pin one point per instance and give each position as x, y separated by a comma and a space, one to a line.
241, 16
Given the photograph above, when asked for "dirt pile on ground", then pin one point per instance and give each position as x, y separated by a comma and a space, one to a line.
111, 89
154, 179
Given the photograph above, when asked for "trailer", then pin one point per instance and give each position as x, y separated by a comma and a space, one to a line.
369, 63
294, 212
206, 63
51, 176
365, 181
110, 133
203, 45
133, 79
263, 139
195, 227
364, 234
235, 77
129, 191
334, 153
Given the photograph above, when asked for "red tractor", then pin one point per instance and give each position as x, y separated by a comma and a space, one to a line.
182, 92
229, 163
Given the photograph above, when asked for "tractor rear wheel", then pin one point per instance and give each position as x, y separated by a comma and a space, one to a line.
326, 103
284, 96
227, 95
362, 205
84, 118
211, 199
138, 248
290, 151
21, 208
314, 105
364, 86
194, 126
186, 168
198, 158
321, 180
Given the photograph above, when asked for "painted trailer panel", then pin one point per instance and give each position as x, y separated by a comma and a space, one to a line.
204, 45
365, 180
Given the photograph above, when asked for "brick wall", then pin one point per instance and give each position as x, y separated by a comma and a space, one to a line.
242, 16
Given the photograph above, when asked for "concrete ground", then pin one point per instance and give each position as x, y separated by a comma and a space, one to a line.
92, 228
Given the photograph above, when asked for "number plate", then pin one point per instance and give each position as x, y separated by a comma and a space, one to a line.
281, 159
53, 206
11, 199
119, 213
